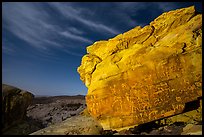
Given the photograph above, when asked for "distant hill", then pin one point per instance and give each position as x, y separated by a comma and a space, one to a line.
9, 87
45, 100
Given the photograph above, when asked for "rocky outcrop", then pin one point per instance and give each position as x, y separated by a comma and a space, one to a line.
146, 73
52, 110
14, 105
76, 125
46, 111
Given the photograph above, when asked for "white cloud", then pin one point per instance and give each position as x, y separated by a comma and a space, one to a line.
75, 37
7, 47
131, 5
32, 23
135, 6
24, 21
75, 30
75, 14
73, 53
131, 8
165, 6
7, 50
53, 43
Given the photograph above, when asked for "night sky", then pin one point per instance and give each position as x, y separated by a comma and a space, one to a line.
43, 42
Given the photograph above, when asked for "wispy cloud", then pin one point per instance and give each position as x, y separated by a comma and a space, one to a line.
75, 30
24, 20
133, 7
130, 8
165, 6
73, 53
39, 25
74, 13
32, 23
7, 47
75, 37
137, 9
7, 50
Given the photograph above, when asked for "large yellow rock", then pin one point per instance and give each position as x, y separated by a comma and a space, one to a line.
146, 73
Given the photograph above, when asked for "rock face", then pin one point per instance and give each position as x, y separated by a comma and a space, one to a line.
146, 73
14, 104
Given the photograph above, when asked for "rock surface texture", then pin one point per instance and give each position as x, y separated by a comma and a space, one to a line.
14, 105
76, 125
51, 110
146, 73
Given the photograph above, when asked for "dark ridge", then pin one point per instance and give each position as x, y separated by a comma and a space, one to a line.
192, 105
146, 127
46, 100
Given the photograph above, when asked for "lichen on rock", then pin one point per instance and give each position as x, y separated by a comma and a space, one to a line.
146, 73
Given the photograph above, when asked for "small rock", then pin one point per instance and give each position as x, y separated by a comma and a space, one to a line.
187, 127
116, 134
167, 129
144, 133
125, 132
191, 129
154, 132
160, 128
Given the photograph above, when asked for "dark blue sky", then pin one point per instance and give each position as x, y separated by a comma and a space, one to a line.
43, 42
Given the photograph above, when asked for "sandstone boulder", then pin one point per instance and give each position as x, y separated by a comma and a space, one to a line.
14, 105
146, 73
